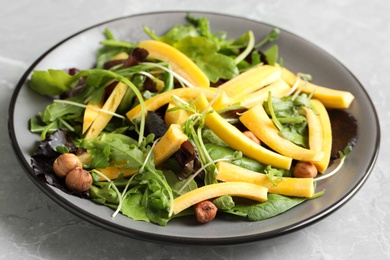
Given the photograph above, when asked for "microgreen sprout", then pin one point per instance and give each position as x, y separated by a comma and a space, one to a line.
70, 128
177, 76
138, 94
343, 156
102, 175
248, 49
200, 170
273, 174
272, 112
89, 107
300, 76
272, 36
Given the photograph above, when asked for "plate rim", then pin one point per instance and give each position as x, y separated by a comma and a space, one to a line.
137, 234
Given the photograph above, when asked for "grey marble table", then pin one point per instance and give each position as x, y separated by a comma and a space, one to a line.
357, 33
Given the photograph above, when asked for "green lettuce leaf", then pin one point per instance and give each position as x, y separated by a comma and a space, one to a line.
51, 82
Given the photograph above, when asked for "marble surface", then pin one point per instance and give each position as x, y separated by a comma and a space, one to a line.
32, 226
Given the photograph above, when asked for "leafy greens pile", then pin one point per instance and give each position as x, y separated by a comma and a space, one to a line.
148, 194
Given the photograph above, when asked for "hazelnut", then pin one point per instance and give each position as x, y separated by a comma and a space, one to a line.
305, 170
78, 180
251, 136
205, 211
65, 163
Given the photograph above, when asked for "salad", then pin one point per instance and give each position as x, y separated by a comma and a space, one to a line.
187, 123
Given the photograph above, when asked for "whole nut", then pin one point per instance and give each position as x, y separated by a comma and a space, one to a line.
205, 211
305, 170
251, 136
65, 163
79, 180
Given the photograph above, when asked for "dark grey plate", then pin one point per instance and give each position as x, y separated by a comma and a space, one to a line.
299, 55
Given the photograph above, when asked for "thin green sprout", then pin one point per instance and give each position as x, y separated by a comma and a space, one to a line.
47, 129
147, 75
66, 124
272, 112
177, 76
199, 171
136, 92
323, 177
248, 49
86, 106
343, 156
295, 86
114, 187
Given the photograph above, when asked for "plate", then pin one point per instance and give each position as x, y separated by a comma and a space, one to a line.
298, 54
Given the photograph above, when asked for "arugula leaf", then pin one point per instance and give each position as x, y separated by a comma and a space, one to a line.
177, 184
290, 116
61, 110
157, 196
110, 48
211, 52
51, 82
175, 34
271, 55
272, 36
133, 205
114, 149
205, 54
103, 193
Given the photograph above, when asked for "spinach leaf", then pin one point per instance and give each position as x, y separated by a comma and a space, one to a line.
218, 152
275, 205
225, 202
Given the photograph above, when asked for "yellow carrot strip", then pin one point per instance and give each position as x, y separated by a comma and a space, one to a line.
331, 98
297, 187
251, 80
222, 100
121, 56
315, 130
111, 105
327, 135
178, 61
90, 113
113, 172
239, 189
237, 140
164, 98
169, 143
258, 122
176, 116
237, 89
279, 88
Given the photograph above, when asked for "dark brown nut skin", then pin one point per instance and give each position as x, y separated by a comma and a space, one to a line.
205, 211
305, 170
65, 163
78, 180
251, 136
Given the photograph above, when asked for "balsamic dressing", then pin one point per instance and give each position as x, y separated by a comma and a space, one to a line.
344, 130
